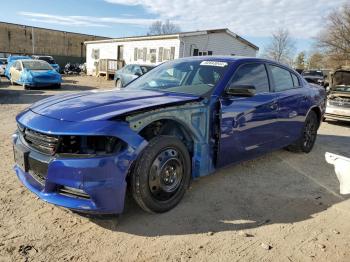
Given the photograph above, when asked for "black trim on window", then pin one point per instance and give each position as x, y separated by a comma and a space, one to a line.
247, 63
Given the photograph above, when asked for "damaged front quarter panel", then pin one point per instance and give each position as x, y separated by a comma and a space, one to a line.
194, 118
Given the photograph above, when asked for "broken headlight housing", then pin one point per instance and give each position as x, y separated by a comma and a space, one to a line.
89, 145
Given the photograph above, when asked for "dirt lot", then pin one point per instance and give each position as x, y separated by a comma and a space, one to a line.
280, 207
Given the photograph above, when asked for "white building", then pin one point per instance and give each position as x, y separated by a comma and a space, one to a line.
159, 48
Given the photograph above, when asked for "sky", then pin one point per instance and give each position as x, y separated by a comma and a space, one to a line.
254, 20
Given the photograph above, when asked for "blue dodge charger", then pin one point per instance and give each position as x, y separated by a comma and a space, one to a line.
184, 119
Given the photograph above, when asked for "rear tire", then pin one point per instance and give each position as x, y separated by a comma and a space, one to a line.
161, 174
309, 134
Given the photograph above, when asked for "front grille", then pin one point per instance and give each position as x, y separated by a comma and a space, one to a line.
43, 143
73, 192
341, 102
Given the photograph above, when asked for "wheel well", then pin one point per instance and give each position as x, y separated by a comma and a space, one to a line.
168, 127
318, 113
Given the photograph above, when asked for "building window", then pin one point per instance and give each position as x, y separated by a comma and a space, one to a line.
95, 54
195, 52
160, 54
210, 52
166, 54
153, 55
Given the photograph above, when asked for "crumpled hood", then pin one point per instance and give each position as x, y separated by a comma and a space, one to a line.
103, 105
341, 77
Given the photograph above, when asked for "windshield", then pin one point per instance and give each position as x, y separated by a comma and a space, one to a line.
312, 73
189, 77
47, 59
36, 65
3, 61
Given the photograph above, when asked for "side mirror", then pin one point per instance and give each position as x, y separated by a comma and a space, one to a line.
241, 90
138, 73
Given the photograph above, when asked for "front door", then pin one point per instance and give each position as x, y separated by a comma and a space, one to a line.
15, 71
248, 123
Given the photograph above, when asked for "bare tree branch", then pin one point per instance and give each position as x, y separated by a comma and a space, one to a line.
160, 28
334, 39
281, 47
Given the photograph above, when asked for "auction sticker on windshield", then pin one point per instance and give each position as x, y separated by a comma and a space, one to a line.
213, 63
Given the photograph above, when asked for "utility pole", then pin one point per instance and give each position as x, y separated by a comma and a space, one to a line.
33, 42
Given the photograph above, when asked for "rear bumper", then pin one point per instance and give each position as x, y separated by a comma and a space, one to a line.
41, 83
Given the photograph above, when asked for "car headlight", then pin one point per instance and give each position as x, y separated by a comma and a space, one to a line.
90, 145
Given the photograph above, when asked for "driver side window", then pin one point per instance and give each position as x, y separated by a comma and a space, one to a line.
252, 74
17, 66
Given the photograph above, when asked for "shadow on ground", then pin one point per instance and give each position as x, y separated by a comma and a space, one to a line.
277, 188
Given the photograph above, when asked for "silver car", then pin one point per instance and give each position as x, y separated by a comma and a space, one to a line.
338, 100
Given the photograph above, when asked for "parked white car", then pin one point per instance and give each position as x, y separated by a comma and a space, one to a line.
342, 170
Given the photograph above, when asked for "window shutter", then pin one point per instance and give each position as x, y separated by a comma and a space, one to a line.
135, 54
160, 54
144, 54
172, 53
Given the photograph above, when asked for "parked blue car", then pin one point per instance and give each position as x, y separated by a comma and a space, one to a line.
48, 59
34, 73
184, 119
10, 60
130, 72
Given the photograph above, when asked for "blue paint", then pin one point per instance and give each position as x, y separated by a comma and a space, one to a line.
10, 60
223, 130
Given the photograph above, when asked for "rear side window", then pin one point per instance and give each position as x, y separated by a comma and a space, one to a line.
296, 82
252, 74
282, 78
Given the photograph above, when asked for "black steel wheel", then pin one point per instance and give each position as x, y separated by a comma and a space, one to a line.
161, 174
309, 134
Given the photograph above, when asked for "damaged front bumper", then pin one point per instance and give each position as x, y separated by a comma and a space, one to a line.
337, 113
94, 184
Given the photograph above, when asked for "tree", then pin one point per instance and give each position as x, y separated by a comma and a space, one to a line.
281, 47
160, 28
316, 61
334, 39
300, 61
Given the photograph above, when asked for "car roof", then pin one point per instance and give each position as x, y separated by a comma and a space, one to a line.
230, 59
141, 65
48, 56
31, 60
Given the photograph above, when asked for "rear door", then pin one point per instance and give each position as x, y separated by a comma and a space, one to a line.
248, 123
291, 99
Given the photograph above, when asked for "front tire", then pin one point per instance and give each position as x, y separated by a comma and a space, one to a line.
308, 137
161, 174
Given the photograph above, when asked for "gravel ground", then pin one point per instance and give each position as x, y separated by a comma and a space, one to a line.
279, 207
